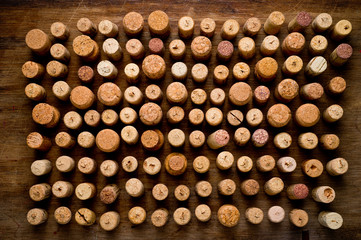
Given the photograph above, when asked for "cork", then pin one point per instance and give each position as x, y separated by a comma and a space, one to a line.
109, 168
112, 49
316, 66
129, 135
182, 216
337, 166
203, 188
62, 215
269, 45
158, 23
199, 72
274, 23
252, 26
341, 54
86, 139
32, 70
307, 115
175, 164
85, 47
152, 165
318, 45
308, 140
133, 23
38, 41
260, 137
39, 192
278, 115
224, 160
228, 215
35, 92
107, 70
250, 187
177, 49
134, 187
175, 115
293, 44
265, 163
59, 31
241, 136
220, 74
154, 93
62, 189
176, 93
150, 114
286, 164
109, 194
261, 94
333, 113
276, 214
292, 66
179, 71
197, 138
240, 94
323, 194
128, 115
87, 165
46, 115
109, 94
185, 27
218, 139
108, 28
198, 96
298, 217
109, 221
225, 50
87, 27
85, 217
86, 74
312, 168
85, 191
254, 117
235, 117
207, 27
37, 141
56, 69
159, 217
156, 46
201, 48
41, 167
336, 85
201, 164
266, 69
244, 164
297, 191
217, 96
160, 192
226, 187
214, 116
329, 141
311, 91
176, 138
341, 30
152, 140
36, 216
129, 164
254, 215
82, 97
92, 118
246, 48
133, 95
331, 220
273, 186
65, 164
153, 67
107, 140
322, 22
182, 193
137, 215
241, 71
132, 72
61, 90
203, 213
230, 29
135, 48
286, 90
60, 52
300, 22
282, 140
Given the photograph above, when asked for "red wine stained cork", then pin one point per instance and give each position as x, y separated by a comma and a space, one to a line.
39, 192
107, 70
298, 217
214, 116
274, 23
137, 215
316, 66
108, 28
85, 217
224, 160
241, 136
217, 96
160, 217
87, 27
312, 168
60, 31
228, 215
269, 45
218, 139
182, 216
156, 46
135, 48
179, 71
132, 72
87, 165
62, 189
133, 24
109, 94
261, 95
337, 166
254, 117
244, 164
225, 50
107, 140
82, 97
311, 91
276, 214
38, 41
341, 30
293, 43
64, 140
60, 52
35, 92
154, 93
322, 22
152, 140
133, 95
182, 193
201, 164
300, 22
207, 27
203, 213
282, 140
150, 114
175, 115
185, 27
86, 139
297, 191
318, 45
112, 49
129, 164
323, 194
227, 187
86, 74
333, 113
278, 115
273, 186
130, 135
246, 48
240, 94
85, 191
56, 69
177, 49
265, 163
92, 118
134, 187
176, 137
331, 220
336, 85
62, 215
177, 93
260, 137
252, 26
38, 142
307, 140
203, 188
254, 215
175, 164
329, 141
61, 90
86, 48
201, 48
32, 70
41, 167
197, 138
46, 115
307, 115
160, 192
230, 29
235, 117
109, 194
241, 71
128, 115
109, 221
153, 67
286, 164
250, 187
36, 216
158, 23
266, 69
198, 96
292, 66
286, 90
341, 54
152, 165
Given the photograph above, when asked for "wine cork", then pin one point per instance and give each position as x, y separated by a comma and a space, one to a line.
158, 23
227, 187
307, 140
32, 70
92, 118
274, 23
197, 138
241, 71
246, 48
199, 72
312, 168
244, 164
156, 46
230, 29
153, 67
112, 49
182, 216
329, 141
203, 213
60, 52
336, 85
269, 45
322, 22
154, 93
107, 140
109, 168
108, 28
46, 115
341, 30
107, 70
300, 22
87, 165
177, 49
337, 166
86, 74
62, 189
160, 192
225, 50
286, 90
240, 94
179, 71
133, 95
41, 167
278, 115
65, 164
260, 137
39, 192
293, 43
292, 66
182, 193
109, 94
176, 137
175, 115
307, 115
85, 217
250, 187
56, 69
177, 93
86, 26
61, 90
38, 142
273, 186
282, 140
228, 215
297, 191
35, 92
201, 48
62, 215
85, 191
36, 216
86, 139
218, 139
265, 163
224, 160
286, 164
203, 188
160, 217
316, 66
137, 215
266, 69
128, 115
311, 91
276, 214
59, 31
38, 41
298, 217
201, 164
333, 113
323, 194
129, 164
198, 96
152, 140
331, 220
214, 116
254, 117
150, 114
242, 136
318, 45
82, 97
217, 96
135, 48
134, 187
252, 26
152, 165
261, 95
133, 24
185, 27
109, 194
254, 215
220, 74
109, 221
207, 27
341, 54
132, 72
235, 117
175, 164
86, 48
130, 135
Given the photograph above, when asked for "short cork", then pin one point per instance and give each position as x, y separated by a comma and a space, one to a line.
32, 70
107, 140
38, 41
293, 44
278, 115
158, 23
266, 69
133, 24
153, 67
307, 115
312, 168
175, 164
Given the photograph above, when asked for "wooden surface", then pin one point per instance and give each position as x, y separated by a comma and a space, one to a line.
18, 17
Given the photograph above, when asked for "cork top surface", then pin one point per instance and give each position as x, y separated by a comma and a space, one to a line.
109, 94
150, 113
43, 113
267, 67
36, 39
85, 73
241, 92
288, 88
201, 45
156, 45
57, 50
337, 84
34, 139
221, 137
304, 19
107, 140
30, 69
84, 24
295, 41
82, 97
177, 46
230, 27
277, 18
262, 93
208, 25
150, 139
83, 46
176, 163
133, 22
153, 66
253, 24
279, 115
308, 114
228, 215
158, 20
344, 50
300, 191
58, 29
225, 48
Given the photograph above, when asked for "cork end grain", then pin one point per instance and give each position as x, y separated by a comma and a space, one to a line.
84, 46
201, 46
228, 215
43, 113
278, 115
82, 97
158, 22
307, 115
37, 40
107, 140
32, 70
133, 23
266, 68
154, 66
304, 19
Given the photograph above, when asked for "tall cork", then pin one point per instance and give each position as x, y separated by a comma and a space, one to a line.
250, 187
341, 54
133, 24
224, 160
333, 113
38, 142
41, 167
341, 30
60, 52
246, 48
56, 69
269, 45
274, 186
252, 26
39, 192
316, 66
135, 48
175, 114
177, 49
37, 216
230, 29
329, 141
300, 22
152, 140
60, 31
266, 69
160, 192
35, 92
132, 72
175, 164
86, 48
64, 140
87, 27
322, 22
185, 27
207, 27
274, 23
218, 139
65, 163
241, 71
311, 91
108, 28
82, 97
85, 191
62, 189
38, 41
87, 165
337, 166
109, 221
158, 23
318, 45
331, 220
112, 49
323, 194
293, 43
292, 66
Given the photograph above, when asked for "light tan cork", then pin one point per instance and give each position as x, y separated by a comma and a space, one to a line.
177, 49
109, 168
185, 27
228, 215
60, 31
337, 166
274, 186
133, 24
35, 92
312, 168
154, 93
107, 140
60, 52
292, 66
65, 163
177, 93
65, 140
134, 187
72, 120
197, 138
254, 215
246, 48
137, 215
38, 41
230, 29
85, 191
39, 192
199, 72
244, 164
130, 135
224, 160
92, 118
150, 114
62, 215
108, 28
160, 192
62, 189
152, 165
37, 216
32, 70
160, 217
182, 193
323, 194
87, 165
201, 164
175, 115
129, 164
226, 187
85, 217
86, 139
109, 221
182, 216
293, 43
203, 213
220, 74
109, 117
241, 71
86, 26
207, 27
322, 22
41, 167
242, 136
56, 69
274, 23
298, 217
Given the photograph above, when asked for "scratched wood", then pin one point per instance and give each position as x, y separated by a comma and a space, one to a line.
18, 17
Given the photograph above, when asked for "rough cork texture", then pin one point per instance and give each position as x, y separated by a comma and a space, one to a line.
156, 46
201, 48
83, 46
86, 73
228, 215
107, 140
133, 23
154, 66
278, 115
344, 51
158, 22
